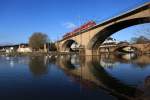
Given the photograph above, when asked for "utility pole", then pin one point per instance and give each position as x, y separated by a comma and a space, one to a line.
80, 47
57, 41
50, 47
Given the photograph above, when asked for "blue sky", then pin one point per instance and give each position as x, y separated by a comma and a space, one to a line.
20, 18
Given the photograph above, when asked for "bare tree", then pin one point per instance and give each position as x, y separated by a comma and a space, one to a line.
37, 40
140, 39
144, 32
52, 47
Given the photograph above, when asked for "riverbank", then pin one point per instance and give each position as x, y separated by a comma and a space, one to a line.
14, 54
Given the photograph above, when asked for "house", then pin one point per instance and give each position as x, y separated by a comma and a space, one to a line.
9, 50
24, 48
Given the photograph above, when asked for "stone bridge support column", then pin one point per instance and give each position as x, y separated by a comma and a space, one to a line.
91, 52
88, 52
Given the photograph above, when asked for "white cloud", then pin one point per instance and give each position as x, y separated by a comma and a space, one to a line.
69, 25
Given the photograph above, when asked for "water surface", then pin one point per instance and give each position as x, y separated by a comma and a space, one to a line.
73, 77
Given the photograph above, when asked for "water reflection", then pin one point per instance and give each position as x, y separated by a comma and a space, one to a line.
111, 82
38, 65
123, 76
146, 94
116, 74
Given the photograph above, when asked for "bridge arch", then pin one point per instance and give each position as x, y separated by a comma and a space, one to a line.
100, 36
121, 48
67, 45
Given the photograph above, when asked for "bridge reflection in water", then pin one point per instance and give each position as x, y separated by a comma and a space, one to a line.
123, 76
126, 76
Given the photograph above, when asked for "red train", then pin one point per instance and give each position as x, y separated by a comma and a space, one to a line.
81, 28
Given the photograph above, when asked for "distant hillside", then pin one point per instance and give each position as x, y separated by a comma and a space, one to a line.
6, 43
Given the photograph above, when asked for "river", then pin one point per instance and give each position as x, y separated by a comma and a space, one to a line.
73, 77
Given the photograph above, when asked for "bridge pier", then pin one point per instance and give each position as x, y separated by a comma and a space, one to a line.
88, 52
91, 52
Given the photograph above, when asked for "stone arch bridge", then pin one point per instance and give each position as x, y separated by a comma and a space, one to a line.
138, 48
90, 39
